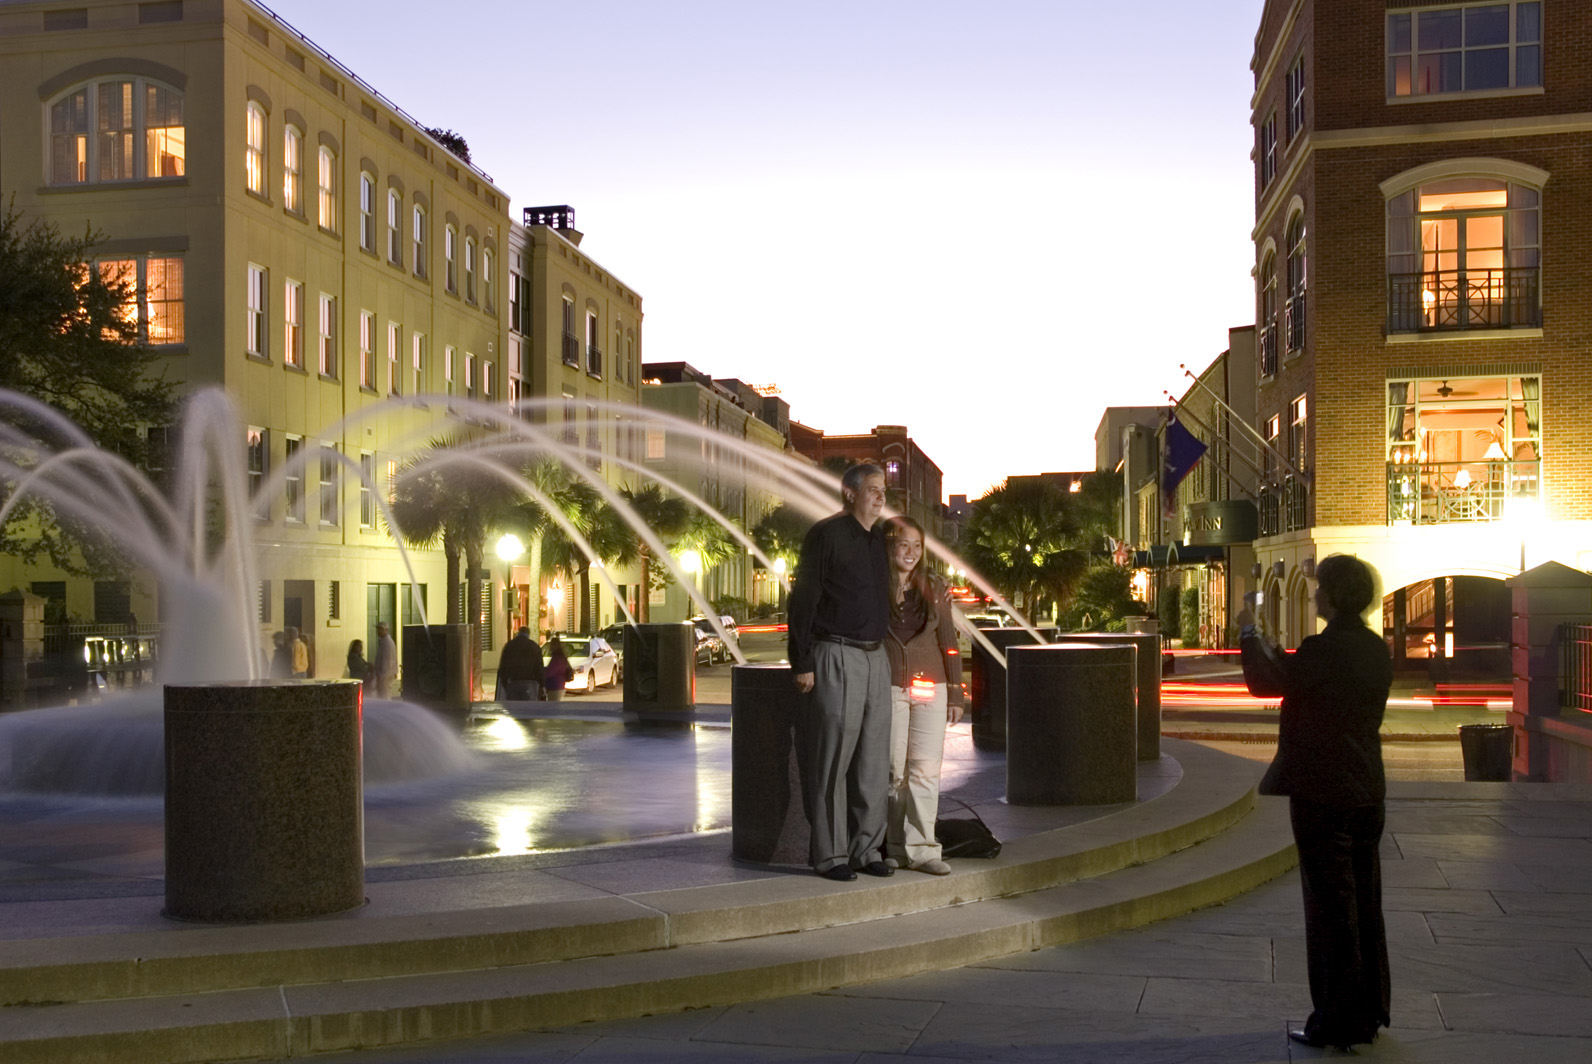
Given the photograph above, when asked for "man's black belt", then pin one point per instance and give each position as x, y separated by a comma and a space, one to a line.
860, 644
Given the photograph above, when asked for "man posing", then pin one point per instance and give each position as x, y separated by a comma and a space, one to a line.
838, 616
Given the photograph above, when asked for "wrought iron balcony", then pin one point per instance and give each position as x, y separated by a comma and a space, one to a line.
1446, 300
1268, 349
594, 360
1439, 493
571, 349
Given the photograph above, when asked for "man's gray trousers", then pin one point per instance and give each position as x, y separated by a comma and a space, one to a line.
848, 783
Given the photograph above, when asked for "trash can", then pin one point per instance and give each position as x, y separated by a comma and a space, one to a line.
660, 667
1488, 750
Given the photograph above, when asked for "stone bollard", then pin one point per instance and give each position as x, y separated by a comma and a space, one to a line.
986, 685
767, 815
436, 668
1070, 725
1149, 683
660, 667
264, 800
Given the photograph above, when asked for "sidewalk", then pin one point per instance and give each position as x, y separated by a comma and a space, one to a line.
1489, 907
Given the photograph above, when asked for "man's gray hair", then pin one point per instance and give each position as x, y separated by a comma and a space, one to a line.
852, 479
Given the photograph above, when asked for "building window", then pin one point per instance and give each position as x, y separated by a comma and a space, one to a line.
486, 281
326, 189
367, 211
255, 316
293, 475
1463, 448
1273, 433
450, 259
570, 429
447, 369
395, 238
1294, 308
1463, 253
293, 170
892, 473
1294, 98
630, 359
394, 346
367, 490
1298, 413
594, 353
254, 149
367, 350
469, 269
469, 374
330, 474
258, 442
154, 287
1465, 48
419, 238
594, 437
1266, 151
293, 322
514, 306
1268, 315
328, 336
334, 600
488, 381
571, 341
417, 355
656, 445
117, 129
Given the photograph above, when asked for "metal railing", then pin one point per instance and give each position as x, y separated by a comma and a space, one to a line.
1293, 322
594, 360
1575, 667
1440, 493
1268, 350
1296, 504
1448, 300
1270, 511
571, 349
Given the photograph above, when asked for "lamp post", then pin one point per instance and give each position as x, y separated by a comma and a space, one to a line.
691, 562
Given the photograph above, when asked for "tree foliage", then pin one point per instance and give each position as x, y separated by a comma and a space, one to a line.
67, 338
1024, 538
668, 516
1102, 597
454, 142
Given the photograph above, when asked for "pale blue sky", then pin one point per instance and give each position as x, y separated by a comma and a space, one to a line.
986, 221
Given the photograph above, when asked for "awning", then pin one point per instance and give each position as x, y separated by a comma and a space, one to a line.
1161, 555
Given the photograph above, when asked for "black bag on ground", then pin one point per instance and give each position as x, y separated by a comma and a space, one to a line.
965, 836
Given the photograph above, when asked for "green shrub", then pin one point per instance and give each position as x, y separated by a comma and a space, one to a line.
1168, 610
1190, 622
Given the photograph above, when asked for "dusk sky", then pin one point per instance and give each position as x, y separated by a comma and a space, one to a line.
984, 221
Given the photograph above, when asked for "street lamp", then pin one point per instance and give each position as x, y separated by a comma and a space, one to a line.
509, 549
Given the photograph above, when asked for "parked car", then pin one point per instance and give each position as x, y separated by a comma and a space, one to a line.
710, 646
991, 620
614, 635
592, 661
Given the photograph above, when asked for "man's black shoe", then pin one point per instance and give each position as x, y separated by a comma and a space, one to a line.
840, 873
878, 868
1299, 1035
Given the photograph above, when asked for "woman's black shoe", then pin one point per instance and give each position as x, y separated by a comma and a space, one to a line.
1298, 1034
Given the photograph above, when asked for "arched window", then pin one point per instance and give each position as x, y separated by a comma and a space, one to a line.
293, 169
1268, 315
367, 210
395, 252
254, 149
469, 269
450, 259
420, 240
326, 188
1294, 309
1463, 253
117, 129
486, 279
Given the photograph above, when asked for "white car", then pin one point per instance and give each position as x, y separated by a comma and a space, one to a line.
592, 662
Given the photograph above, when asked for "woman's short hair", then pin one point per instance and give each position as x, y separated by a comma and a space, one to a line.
1347, 583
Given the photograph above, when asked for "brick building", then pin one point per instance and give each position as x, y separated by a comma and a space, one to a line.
1423, 203
912, 480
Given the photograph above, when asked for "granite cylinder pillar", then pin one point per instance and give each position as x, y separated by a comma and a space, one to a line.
264, 800
660, 667
986, 684
767, 757
1149, 683
1070, 725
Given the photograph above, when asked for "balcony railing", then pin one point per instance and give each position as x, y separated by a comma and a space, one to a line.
594, 360
1268, 350
1296, 504
1447, 300
571, 349
1440, 493
1270, 508
1293, 322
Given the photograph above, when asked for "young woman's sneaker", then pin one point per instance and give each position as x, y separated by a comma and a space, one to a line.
934, 867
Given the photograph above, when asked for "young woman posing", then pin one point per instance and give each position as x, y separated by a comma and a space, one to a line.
925, 695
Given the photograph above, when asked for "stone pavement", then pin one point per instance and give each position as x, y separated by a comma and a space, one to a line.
1489, 910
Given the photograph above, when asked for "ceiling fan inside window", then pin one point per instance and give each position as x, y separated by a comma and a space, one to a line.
1445, 391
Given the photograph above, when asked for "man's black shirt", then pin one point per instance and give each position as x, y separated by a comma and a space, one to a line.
841, 587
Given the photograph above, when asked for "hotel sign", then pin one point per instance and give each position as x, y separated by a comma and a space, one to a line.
1220, 522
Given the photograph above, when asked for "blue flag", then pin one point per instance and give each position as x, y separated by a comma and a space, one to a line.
1183, 449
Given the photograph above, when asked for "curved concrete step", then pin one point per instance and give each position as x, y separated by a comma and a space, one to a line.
1157, 863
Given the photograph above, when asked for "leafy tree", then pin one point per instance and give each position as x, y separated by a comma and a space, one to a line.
1097, 507
668, 516
1191, 617
1103, 596
602, 526
454, 142
1023, 537
68, 338
779, 535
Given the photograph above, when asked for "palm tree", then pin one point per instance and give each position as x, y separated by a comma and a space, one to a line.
779, 535
668, 516
602, 526
1023, 537
712, 541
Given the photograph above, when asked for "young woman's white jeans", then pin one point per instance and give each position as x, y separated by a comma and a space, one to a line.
917, 745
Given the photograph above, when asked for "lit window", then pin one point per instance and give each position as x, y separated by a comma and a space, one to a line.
293, 321
417, 343
326, 189
1294, 308
259, 458
1469, 48
367, 350
328, 336
293, 170
394, 340
447, 369
254, 150
117, 129
255, 315
154, 296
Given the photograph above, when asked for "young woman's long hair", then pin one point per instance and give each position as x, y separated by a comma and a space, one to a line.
919, 576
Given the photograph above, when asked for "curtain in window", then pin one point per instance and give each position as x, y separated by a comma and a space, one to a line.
1398, 397
1531, 392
